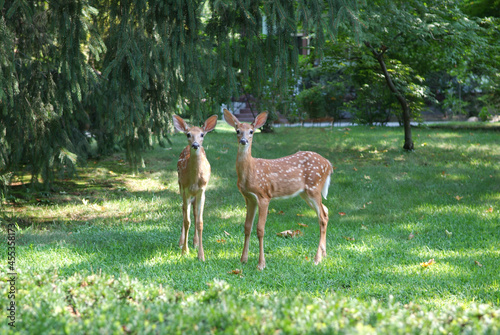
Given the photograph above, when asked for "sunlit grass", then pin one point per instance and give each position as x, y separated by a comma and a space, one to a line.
440, 202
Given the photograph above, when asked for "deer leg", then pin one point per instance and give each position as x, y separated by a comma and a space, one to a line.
186, 208
322, 212
196, 204
263, 206
200, 203
251, 210
181, 239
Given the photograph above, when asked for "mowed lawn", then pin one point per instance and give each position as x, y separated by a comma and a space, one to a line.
390, 212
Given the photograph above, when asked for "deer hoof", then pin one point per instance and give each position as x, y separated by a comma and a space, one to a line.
317, 259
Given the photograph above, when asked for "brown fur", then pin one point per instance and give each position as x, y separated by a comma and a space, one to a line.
304, 173
193, 170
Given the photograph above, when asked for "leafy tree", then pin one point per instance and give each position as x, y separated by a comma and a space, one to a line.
117, 69
328, 85
258, 41
44, 82
485, 68
481, 8
409, 41
156, 57
422, 35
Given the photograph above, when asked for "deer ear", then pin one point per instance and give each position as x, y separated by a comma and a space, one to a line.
231, 119
210, 124
260, 120
180, 124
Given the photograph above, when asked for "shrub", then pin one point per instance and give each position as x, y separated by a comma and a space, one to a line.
313, 102
105, 304
322, 100
484, 114
373, 103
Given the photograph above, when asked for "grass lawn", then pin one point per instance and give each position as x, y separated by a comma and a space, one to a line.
465, 125
100, 251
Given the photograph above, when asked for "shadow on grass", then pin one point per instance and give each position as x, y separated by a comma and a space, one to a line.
386, 197
380, 260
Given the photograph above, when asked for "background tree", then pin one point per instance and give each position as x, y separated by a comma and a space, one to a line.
407, 42
486, 70
481, 8
419, 49
422, 35
116, 70
44, 82
112, 72
156, 57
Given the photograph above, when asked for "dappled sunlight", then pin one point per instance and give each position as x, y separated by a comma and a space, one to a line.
230, 212
159, 258
487, 149
389, 211
41, 255
153, 182
479, 212
416, 272
474, 147
446, 135
222, 127
134, 209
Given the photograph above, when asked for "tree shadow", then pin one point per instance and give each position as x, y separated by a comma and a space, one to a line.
380, 260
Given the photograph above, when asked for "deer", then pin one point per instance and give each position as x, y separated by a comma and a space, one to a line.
193, 171
304, 173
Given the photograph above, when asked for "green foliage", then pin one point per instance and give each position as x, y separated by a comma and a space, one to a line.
487, 67
150, 65
106, 304
267, 58
105, 247
45, 80
273, 100
313, 102
454, 104
324, 86
470, 80
481, 8
484, 114
8, 87
398, 35
117, 70
373, 104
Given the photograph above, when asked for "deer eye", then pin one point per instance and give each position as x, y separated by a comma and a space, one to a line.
251, 132
237, 131
188, 135
202, 134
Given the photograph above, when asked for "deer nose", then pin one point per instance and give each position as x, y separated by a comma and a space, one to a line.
195, 145
244, 141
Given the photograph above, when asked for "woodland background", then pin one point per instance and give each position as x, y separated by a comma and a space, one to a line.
83, 79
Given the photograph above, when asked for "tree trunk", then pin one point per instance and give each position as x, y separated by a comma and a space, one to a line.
401, 99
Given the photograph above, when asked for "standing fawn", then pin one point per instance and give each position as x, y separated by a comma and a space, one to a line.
304, 173
193, 171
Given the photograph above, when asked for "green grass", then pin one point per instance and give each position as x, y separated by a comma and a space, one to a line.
121, 231
465, 125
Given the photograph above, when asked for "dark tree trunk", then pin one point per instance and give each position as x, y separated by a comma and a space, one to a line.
401, 99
